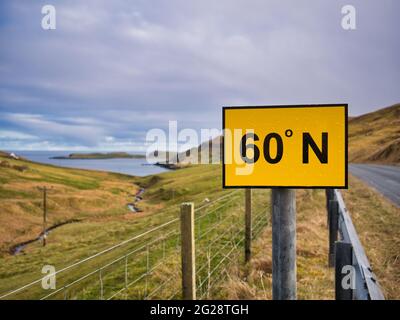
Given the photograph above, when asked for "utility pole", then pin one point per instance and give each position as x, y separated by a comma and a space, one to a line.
44, 189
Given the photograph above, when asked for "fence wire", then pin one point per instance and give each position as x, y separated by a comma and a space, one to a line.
149, 266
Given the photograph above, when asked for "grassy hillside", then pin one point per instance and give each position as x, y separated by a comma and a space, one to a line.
99, 201
375, 137
211, 147
73, 194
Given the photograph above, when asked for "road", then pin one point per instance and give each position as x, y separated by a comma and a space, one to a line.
385, 179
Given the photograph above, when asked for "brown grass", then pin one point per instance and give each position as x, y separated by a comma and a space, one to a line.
377, 222
100, 196
375, 137
314, 278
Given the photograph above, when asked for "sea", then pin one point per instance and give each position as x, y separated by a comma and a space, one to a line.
134, 167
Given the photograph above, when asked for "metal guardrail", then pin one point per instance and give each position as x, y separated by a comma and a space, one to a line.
348, 251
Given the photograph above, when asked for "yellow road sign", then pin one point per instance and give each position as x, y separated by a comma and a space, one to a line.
285, 146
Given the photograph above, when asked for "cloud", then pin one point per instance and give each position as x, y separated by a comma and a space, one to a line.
119, 68
53, 129
15, 135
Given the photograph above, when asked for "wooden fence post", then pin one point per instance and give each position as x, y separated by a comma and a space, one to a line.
188, 252
344, 257
333, 229
248, 231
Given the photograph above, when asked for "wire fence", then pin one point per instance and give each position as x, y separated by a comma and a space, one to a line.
219, 244
148, 265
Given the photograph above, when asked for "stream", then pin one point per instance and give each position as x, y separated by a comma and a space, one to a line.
14, 250
138, 197
18, 248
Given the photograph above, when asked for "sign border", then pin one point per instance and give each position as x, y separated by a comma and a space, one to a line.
346, 131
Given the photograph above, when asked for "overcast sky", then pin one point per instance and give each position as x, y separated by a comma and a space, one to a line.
114, 69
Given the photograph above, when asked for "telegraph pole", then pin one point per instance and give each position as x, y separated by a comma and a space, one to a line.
44, 189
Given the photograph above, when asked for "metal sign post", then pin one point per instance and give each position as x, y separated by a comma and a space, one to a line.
283, 244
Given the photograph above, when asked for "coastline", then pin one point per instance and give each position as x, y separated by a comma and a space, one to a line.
99, 156
123, 166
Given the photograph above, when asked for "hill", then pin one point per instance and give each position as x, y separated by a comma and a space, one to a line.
74, 194
375, 137
90, 210
213, 147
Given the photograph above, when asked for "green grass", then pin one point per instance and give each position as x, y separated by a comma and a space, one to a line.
105, 221
11, 194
